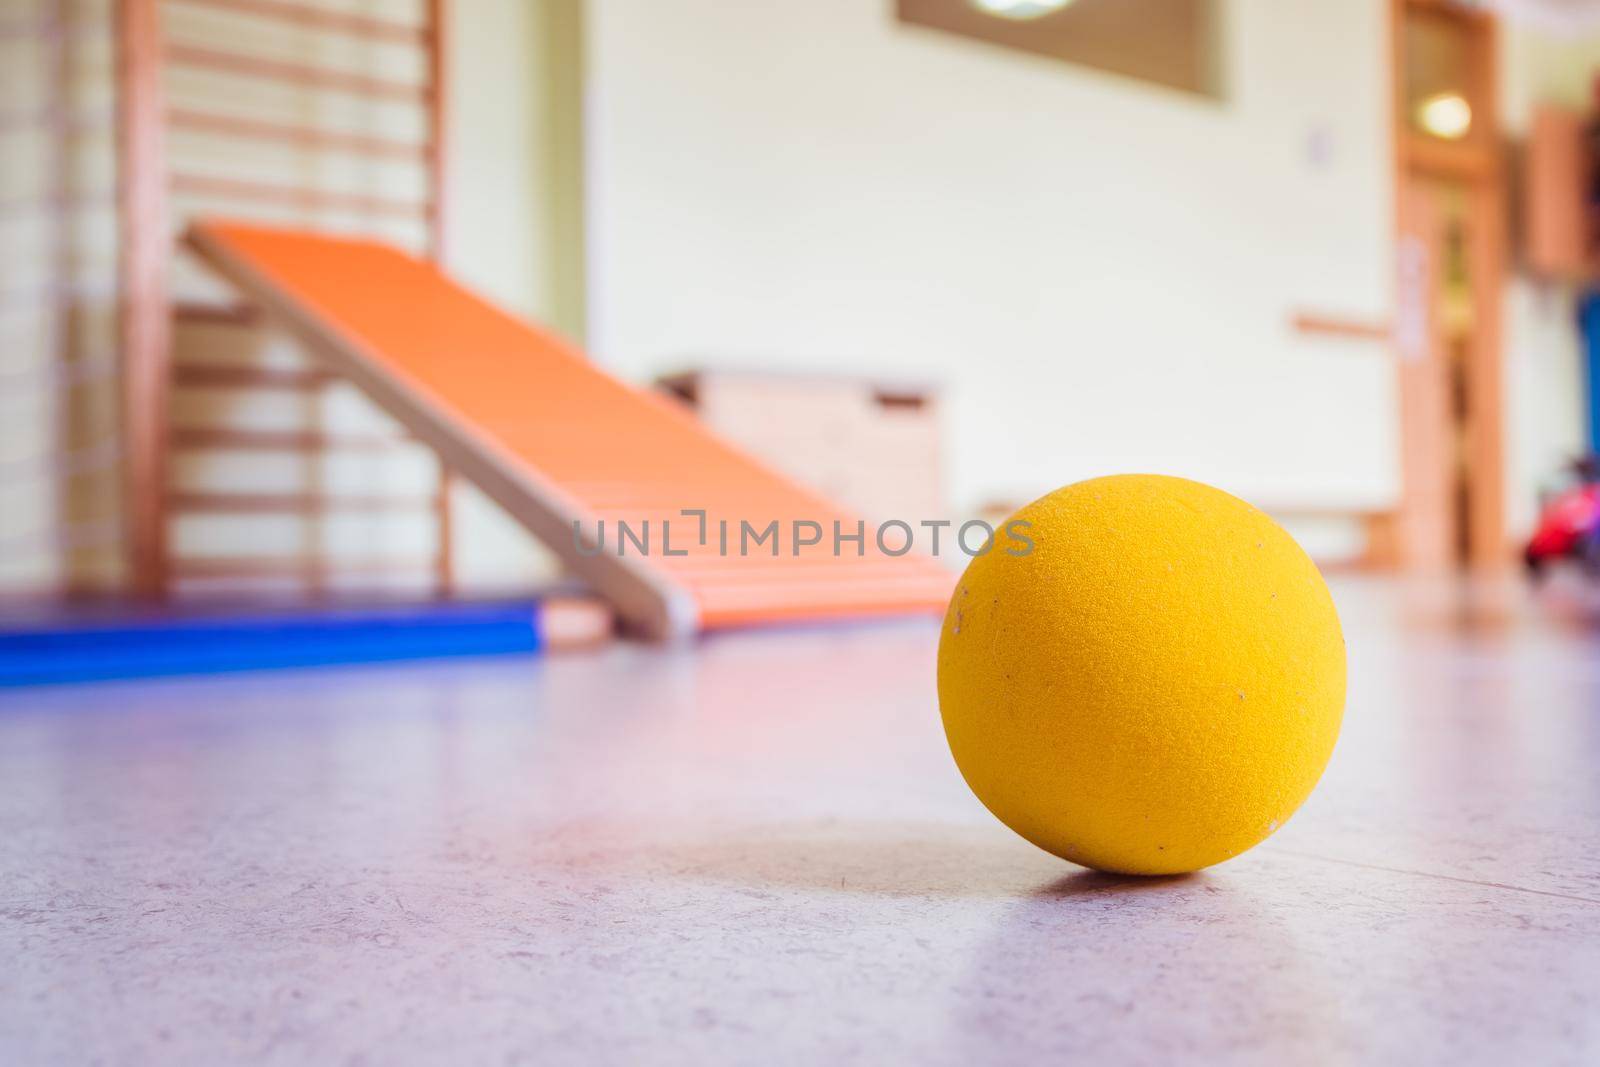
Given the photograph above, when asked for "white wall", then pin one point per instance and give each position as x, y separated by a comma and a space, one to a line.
501, 227
1100, 272
494, 153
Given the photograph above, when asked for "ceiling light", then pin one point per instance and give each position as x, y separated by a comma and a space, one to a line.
1019, 9
1446, 115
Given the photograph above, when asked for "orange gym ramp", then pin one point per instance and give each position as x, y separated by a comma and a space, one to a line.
554, 440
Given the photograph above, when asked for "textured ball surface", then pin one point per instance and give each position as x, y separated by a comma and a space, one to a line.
1155, 687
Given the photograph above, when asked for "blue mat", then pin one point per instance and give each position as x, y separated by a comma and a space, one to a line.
1589, 324
68, 649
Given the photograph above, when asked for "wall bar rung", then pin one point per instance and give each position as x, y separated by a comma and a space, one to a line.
225, 376
225, 438
216, 314
296, 503
289, 196
223, 567
294, 73
299, 136
317, 19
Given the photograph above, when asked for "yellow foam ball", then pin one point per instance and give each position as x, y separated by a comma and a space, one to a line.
1154, 687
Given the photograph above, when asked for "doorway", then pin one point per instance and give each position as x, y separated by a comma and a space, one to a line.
1450, 187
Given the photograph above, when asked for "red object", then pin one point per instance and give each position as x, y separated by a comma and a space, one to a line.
1569, 528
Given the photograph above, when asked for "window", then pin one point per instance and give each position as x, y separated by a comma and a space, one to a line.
1169, 42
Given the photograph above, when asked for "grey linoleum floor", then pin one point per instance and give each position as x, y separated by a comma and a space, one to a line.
757, 850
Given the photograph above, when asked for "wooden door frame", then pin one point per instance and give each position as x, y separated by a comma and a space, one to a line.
1477, 165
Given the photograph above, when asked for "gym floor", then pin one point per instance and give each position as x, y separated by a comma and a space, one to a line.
758, 849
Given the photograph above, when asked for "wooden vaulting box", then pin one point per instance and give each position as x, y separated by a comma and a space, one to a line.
872, 446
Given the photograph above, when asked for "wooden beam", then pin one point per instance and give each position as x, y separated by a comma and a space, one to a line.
319, 19
216, 314
216, 503
250, 376
1487, 546
294, 73
1318, 325
438, 191
227, 438
1555, 195
315, 569
1467, 160
58, 72
299, 136
438, 103
144, 317
292, 196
